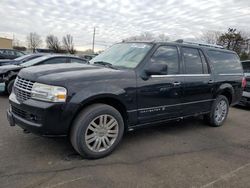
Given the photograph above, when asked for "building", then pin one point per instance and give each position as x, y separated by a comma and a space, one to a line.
5, 43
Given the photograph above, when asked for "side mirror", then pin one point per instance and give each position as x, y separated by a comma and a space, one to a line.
156, 69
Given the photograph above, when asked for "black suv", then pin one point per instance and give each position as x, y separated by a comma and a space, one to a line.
127, 86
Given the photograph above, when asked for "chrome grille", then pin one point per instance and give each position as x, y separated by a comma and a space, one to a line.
22, 89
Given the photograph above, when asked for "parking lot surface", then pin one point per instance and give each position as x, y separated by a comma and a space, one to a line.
177, 154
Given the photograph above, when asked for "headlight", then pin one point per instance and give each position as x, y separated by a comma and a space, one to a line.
48, 93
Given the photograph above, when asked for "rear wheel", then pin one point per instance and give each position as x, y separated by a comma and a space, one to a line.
97, 131
219, 111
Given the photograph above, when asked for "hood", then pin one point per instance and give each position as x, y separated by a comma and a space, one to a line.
63, 72
7, 68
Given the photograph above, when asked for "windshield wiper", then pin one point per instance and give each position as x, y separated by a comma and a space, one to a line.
106, 64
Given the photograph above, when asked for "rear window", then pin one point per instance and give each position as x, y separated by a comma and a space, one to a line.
225, 63
246, 67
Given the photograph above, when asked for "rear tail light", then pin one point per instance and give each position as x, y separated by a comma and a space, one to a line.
244, 82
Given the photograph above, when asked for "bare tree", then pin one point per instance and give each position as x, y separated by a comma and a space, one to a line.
210, 37
232, 40
146, 36
68, 44
53, 43
162, 37
33, 41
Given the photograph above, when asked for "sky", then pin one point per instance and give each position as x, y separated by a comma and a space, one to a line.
119, 19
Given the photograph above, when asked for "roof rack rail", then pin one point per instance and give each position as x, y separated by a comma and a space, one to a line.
200, 44
139, 41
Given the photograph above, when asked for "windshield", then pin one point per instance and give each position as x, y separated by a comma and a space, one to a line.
127, 55
34, 61
246, 66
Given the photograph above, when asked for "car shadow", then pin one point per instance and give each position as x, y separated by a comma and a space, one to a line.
3, 95
130, 139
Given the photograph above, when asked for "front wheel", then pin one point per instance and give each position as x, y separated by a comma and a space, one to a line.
97, 131
219, 111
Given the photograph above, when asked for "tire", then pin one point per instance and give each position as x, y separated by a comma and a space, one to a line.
213, 117
9, 86
88, 123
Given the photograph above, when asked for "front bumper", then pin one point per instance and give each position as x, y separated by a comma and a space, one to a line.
43, 118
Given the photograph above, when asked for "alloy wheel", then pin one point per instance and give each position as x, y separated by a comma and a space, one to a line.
221, 111
101, 133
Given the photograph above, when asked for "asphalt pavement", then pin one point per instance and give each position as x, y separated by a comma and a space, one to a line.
177, 154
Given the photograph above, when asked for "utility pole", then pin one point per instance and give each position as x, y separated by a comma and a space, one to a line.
93, 42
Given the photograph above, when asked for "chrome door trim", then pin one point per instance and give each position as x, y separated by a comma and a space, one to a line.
166, 106
180, 75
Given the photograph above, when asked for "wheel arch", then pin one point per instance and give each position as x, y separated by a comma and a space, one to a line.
108, 99
227, 91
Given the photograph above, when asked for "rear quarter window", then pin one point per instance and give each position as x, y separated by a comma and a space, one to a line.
246, 66
225, 62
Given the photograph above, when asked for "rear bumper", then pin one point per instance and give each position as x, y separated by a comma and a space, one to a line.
42, 118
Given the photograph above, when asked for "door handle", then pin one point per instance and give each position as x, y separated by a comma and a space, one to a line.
210, 82
176, 84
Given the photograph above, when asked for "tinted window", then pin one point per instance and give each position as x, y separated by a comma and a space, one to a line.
55, 60
167, 55
8, 52
75, 60
35, 61
225, 62
18, 54
206, 69
192, 61
246, 66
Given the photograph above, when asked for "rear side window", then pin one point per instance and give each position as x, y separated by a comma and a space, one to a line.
167, 55
224, 62
246, 66
192, 61
55, 60
18, 54
75, 60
